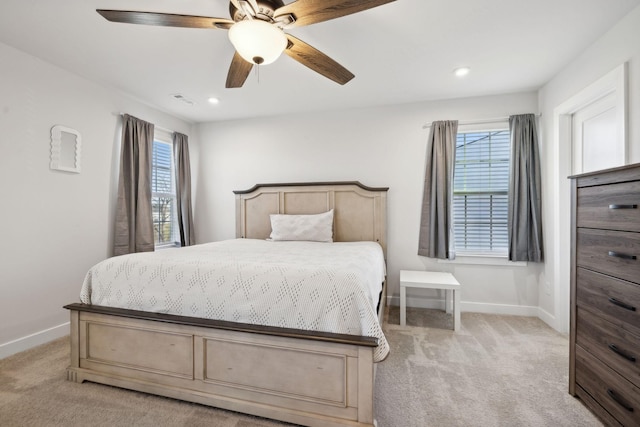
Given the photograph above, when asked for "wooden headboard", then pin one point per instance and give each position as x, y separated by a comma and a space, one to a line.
360, 212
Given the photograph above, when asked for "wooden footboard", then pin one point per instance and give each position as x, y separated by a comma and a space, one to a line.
312, 379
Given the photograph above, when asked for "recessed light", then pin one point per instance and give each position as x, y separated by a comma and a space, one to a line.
214, 100
461, 71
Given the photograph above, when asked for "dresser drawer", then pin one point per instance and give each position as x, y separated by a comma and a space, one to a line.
616, 300
618, 396
617, 348
595, 407
612, 206
611, 252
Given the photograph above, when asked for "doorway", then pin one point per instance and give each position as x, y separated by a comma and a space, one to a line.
589, 134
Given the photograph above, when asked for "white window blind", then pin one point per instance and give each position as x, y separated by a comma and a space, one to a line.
163, 197
480, 196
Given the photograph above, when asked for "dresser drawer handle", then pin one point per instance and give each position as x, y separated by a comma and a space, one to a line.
621, 255
619, 400
623, 206
622, 304
616, 350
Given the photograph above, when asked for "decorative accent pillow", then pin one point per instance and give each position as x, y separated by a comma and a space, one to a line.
314, 228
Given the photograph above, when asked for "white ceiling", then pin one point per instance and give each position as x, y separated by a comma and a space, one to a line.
400, 52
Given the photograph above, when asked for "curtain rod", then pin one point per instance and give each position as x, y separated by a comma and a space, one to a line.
479, 122
154, 126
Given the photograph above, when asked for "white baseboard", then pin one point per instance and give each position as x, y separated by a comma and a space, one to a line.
487, 308
507, 309
552, 321
468, 306
33, 340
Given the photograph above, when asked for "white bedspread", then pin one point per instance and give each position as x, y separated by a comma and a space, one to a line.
327, 287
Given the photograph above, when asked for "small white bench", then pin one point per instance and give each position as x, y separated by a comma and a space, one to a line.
431, 280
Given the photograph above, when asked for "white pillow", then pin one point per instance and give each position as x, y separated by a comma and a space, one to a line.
315, 228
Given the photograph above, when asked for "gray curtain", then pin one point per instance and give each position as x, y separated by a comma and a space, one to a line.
436, 221
525, 218
133, 222
183, 189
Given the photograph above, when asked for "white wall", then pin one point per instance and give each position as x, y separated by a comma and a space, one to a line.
380, 147
620, 44
55, 225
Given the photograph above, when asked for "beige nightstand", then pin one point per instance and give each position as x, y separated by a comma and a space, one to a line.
431, 280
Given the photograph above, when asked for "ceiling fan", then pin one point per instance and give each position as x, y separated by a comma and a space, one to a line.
256, 29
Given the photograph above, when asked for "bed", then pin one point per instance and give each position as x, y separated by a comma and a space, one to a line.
301, 371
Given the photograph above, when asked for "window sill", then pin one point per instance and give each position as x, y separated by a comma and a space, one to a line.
483, 260
167, 246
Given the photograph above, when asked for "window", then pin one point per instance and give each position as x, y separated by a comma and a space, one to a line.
480, 194
163, 197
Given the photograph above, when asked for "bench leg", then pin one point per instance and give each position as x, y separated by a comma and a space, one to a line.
447, 301
403, 306
456, 310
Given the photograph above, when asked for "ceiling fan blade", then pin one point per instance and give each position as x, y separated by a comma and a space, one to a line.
254, 6
238, 71
164, 19
308, 12
317, 61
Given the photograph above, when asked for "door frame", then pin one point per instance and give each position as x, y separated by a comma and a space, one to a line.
614, 82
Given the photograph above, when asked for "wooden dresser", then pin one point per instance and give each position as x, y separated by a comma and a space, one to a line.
604, 369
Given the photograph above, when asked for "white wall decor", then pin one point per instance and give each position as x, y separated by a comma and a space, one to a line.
65, 149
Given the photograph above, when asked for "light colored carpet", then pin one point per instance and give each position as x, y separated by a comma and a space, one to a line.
497, 371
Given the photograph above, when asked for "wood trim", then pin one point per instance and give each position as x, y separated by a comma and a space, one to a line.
305, 184
608, 176
366, 386
572, 291
74, 338
228, 326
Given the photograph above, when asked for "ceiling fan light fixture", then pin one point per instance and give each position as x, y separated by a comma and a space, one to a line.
258, 42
